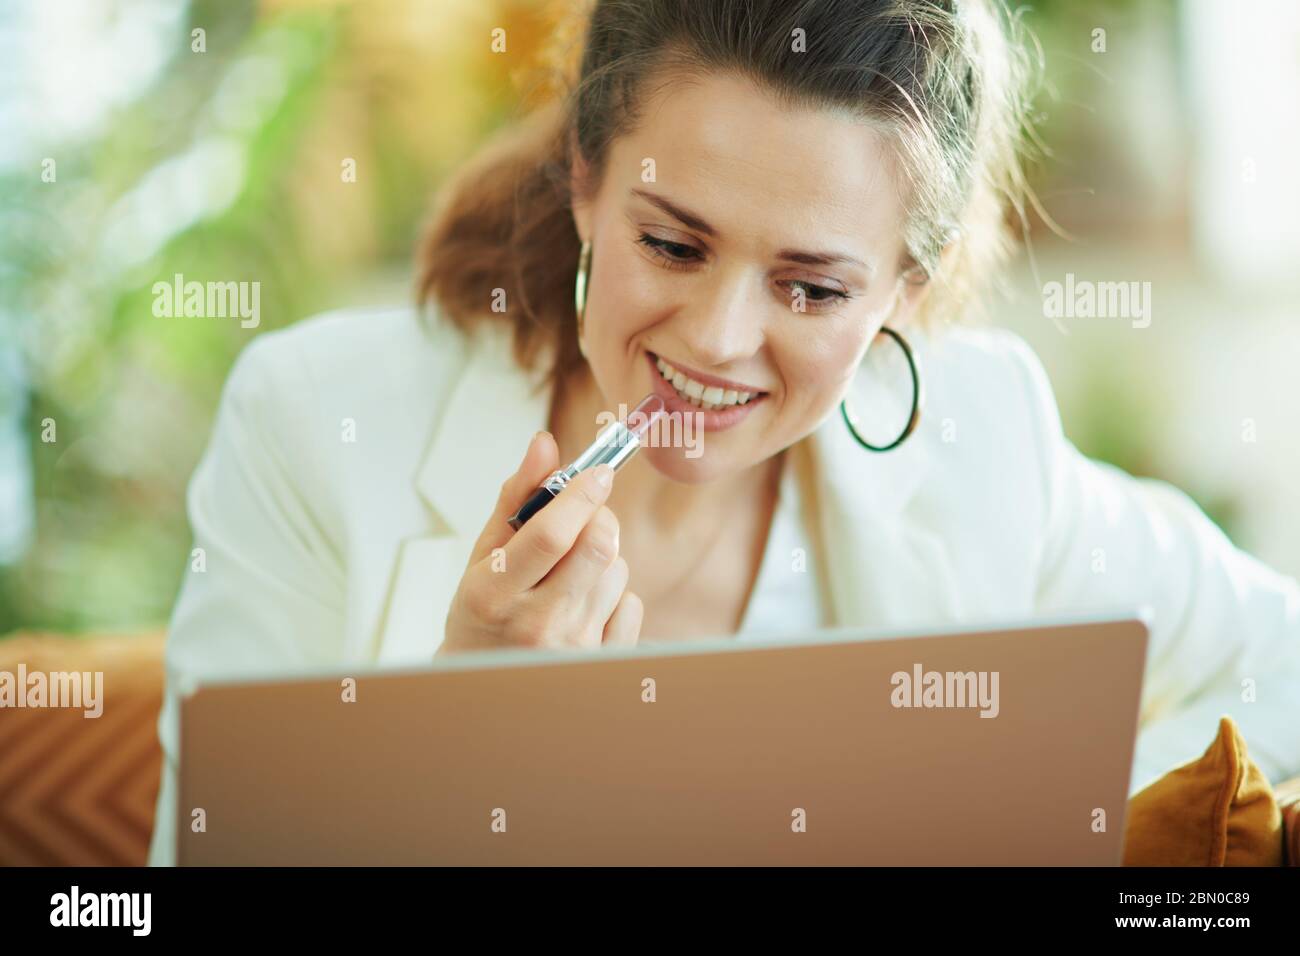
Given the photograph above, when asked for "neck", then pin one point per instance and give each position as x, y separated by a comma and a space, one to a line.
642, 497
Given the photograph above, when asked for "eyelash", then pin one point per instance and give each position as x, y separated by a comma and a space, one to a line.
658, 248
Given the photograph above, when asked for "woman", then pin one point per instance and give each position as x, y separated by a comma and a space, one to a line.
760, 211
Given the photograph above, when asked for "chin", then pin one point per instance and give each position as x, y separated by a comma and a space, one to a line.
673, 464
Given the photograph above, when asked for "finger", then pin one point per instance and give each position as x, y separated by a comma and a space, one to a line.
604, 597
576, 574
540, 460
549, 535
624, 626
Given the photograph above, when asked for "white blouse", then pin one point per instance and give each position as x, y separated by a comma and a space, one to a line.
787, 597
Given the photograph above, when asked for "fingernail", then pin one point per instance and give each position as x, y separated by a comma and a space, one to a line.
604, 475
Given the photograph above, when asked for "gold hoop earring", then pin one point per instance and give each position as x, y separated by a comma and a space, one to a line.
580, 288
918, 399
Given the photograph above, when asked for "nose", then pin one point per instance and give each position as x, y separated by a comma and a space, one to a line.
723, 324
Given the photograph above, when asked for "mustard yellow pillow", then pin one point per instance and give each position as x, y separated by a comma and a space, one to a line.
1218, 810
1287, 794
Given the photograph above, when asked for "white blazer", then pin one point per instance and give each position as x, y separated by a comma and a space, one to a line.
356, 457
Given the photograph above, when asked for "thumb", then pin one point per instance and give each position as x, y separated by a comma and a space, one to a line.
540, 460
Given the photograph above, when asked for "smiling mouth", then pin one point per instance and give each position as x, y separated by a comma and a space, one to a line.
704, 397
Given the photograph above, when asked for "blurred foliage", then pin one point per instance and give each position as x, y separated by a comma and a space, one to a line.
227, 167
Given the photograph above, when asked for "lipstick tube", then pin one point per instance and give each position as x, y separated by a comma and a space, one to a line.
614, 446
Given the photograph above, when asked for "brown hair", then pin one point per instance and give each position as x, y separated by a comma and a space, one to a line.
942, 76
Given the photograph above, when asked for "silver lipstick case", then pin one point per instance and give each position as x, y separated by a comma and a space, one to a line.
613, 446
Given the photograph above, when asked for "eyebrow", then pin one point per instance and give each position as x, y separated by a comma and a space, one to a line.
677, 212
691, 220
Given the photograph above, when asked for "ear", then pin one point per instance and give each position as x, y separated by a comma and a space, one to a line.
580, 186
913, 289
915, 283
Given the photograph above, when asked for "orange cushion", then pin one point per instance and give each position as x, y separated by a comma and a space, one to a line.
1288, 801
1218, 810
80, 791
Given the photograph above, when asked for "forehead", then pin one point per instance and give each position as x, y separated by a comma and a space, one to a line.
748, 163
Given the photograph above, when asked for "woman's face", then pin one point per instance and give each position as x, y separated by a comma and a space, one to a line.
743, 242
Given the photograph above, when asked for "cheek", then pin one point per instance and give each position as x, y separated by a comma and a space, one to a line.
827, 362
626, 298
816, 369
627, 277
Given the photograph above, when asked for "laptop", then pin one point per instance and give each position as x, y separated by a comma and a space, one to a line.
1003, 744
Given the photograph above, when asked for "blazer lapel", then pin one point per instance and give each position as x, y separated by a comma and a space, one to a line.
490, 414
884, 565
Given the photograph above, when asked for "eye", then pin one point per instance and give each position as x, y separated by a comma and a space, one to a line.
818, 295
673, 254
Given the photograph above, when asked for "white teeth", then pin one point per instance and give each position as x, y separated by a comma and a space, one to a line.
707, 397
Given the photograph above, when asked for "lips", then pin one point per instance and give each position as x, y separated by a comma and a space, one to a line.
705, 380
707, 390
710, 419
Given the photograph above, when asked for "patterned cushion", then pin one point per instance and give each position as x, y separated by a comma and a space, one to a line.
78, 790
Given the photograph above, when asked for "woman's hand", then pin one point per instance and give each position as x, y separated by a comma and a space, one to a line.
558, 582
